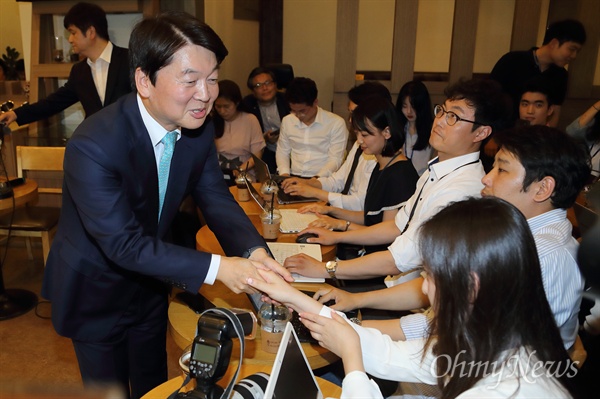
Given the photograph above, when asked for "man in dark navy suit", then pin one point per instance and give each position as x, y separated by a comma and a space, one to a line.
112, 264
97, 81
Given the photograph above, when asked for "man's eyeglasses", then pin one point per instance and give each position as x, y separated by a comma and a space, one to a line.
266, 83
451, 117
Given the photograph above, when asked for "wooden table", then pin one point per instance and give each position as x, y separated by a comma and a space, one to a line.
207, 242
22, 195
183, 322
164, 390
252, 208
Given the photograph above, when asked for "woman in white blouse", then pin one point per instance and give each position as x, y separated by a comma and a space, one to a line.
493, 334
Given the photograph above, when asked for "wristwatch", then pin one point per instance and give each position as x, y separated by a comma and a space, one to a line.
331, 267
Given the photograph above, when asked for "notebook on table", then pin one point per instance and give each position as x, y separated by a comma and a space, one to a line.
262, 174
291, 376
294, 222
282, 250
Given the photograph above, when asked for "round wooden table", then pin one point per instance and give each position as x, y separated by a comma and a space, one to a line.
22, 195
183, 322
164, 390
207, 242
252, 208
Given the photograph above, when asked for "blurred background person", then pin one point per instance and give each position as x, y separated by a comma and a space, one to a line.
416, 118
237, 133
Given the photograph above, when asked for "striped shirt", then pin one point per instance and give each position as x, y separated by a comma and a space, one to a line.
563, 282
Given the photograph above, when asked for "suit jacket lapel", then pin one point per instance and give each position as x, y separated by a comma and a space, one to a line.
113, 74
90, 87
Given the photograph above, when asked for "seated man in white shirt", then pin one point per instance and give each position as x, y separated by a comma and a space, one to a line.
541, 171
473, 109
337, 189
312, 141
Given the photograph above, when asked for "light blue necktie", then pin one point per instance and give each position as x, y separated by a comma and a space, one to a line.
164, 166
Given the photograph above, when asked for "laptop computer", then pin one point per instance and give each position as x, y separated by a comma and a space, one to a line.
291, 376
262, 174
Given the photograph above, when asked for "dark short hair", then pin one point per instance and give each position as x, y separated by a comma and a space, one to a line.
418, 95
568, 30
86, 15
155, 40
259, 71
539, 85
359, 93
381, 113
546, 151
301, 91
492, 106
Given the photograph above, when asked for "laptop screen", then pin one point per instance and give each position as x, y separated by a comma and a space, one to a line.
291, 376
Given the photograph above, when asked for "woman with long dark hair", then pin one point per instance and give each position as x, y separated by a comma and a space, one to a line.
237, 133
416, 118
392, 181
492, 332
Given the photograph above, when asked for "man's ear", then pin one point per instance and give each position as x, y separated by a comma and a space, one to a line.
90, 33
550, 110
543, 189
482, 133
142, 83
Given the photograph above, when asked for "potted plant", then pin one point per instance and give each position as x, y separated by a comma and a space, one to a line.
10, 58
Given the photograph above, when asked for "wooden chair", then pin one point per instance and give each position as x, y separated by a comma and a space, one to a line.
35, 221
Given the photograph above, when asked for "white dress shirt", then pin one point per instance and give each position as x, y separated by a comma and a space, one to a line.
519, 375
100, 70
156, 133
563, 282
314, 150
443, 182
355, 199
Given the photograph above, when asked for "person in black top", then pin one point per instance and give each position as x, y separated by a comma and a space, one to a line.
562, 42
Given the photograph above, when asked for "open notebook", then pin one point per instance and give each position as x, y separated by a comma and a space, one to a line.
281, 250
291, 376
293, 222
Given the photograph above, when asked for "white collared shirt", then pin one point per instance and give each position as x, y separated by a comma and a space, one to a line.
100, 70
355, 199
156, 133
442, 183
314, 150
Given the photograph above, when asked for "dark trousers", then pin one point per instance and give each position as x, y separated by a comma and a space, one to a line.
134, 357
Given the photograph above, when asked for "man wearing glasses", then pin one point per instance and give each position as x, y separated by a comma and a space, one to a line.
269, 107
472, 110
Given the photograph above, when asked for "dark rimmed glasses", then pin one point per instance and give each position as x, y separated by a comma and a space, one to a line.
451, 117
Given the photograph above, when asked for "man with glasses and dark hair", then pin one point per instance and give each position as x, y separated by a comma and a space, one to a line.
97, 81
472, 111
269, 107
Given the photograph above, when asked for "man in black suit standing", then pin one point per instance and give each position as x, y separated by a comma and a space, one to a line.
97, 81
127, 169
